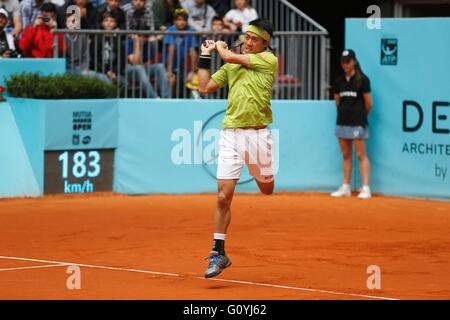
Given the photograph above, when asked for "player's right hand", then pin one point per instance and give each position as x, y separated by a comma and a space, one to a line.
208, 46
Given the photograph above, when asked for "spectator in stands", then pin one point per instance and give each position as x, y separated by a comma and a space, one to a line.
143, 66
37, 39
140, 16
29, 10
200, 14
354, 102
13, 9
88, 14
163, 11
220, 6
238, 19
142, 52
108, 54
77, 52
7, 45
176, 52
112, 6
217, 24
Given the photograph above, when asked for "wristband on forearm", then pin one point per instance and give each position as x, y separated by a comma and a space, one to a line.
204, 62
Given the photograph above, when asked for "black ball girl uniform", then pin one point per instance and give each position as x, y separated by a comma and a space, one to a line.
351, 112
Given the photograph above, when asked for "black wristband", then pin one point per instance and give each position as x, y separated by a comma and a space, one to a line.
204, 62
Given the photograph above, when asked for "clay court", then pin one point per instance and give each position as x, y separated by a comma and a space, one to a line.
286, 246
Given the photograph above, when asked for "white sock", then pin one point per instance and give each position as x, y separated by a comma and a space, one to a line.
346, 186
365, 188
219, 236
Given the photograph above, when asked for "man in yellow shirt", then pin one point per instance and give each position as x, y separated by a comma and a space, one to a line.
245, 138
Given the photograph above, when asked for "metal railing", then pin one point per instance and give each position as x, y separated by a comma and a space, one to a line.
285, 16
302, 60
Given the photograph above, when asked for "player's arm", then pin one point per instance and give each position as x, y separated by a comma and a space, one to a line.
231, 57
205, 83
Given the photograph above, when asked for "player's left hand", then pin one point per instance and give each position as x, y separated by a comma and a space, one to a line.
208, 46
222, 44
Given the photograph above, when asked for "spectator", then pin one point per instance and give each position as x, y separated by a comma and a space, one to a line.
220, 6
77, 52
200, 14
353, 102
163, 11
108, 55
13, 9
143, 53
176, 55
7, 45
87, 11
37, 39
141, 67
112, 6
238, 19
140, 16
29, 10
217, 24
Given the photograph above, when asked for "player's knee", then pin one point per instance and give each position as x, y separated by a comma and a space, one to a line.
223, 201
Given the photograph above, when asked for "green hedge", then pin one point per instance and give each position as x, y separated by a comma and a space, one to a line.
64, 86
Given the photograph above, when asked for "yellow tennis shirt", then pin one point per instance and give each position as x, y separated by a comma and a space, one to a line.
250, 89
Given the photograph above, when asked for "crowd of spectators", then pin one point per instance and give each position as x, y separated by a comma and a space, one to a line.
157, 63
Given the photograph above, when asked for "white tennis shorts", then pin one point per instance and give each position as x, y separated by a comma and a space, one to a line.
245, 146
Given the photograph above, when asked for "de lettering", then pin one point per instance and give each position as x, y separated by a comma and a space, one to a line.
439, 120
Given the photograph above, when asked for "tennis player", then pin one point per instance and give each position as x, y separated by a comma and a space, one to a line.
245, 138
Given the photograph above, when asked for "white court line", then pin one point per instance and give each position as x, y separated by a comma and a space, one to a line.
300, 289
91, 266
33, 267
59, 263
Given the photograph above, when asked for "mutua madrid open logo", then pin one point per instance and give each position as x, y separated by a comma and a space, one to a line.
81, 122
389, 52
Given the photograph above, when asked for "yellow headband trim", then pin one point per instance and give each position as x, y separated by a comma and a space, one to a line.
260, 32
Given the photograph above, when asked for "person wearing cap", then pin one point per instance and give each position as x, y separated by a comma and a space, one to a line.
13, 9
353, 98
7, 45
245, 138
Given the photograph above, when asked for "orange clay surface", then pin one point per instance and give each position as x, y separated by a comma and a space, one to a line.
284, 246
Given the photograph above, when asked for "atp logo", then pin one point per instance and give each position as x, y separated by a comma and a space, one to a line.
389, 51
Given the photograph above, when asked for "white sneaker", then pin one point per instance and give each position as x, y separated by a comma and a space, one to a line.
365, 193
343, 191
